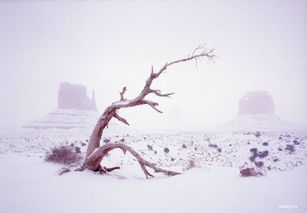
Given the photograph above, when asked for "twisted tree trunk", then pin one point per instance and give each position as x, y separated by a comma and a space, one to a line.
95, 153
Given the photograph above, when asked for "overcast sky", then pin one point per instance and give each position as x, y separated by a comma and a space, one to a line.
105, 45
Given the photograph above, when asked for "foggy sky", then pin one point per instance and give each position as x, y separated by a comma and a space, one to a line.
105, 45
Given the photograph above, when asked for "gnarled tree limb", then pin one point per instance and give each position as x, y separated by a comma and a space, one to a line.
92, 162
94, 148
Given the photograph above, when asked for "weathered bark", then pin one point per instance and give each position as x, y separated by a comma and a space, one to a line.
95, 153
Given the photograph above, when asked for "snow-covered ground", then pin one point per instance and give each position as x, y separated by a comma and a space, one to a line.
29, 184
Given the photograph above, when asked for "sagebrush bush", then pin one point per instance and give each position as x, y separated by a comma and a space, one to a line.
63, 154
248, 172
191, 164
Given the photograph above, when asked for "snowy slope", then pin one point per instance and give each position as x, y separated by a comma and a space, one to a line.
259, 122
66, 119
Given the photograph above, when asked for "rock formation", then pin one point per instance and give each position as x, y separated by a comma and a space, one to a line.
73, 96
75, 110
256, 102
256, 113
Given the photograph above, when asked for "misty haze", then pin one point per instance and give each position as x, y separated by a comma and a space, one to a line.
153, 106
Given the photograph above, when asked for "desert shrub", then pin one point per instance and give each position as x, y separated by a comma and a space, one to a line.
296, 142
77, 149
263, 154
257, 134
191, 165
106, 140
63, 154
149, 147
290, 148
259, 164
213, 145
248, 172
254, 150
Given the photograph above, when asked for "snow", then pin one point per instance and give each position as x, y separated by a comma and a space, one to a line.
29, 184
259, 122
66, 119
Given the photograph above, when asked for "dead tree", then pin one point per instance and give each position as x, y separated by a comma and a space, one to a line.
95, 152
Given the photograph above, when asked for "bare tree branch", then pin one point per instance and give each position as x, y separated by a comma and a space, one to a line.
122, 94
158, 93
111, 111
121, 119
152, 104
93, 161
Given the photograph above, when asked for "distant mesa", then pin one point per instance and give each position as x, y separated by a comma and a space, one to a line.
73, 96
75, 110
256, 102
256, 113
